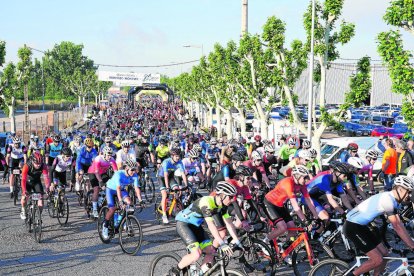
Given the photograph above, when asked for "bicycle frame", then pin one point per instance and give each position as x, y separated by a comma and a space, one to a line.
403, 267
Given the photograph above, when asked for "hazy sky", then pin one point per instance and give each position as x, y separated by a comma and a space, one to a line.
153, 32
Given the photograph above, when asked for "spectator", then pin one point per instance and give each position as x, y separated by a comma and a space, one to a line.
389, 164
403, 156
410, 147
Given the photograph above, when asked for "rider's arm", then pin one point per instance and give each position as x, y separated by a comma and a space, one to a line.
137, 187
401, 231
24, 149
297, 209
113, 164
237, 210
25, 172
78, 166
345, 201
52, 169
230, 227
118, 193
45, 173
334, 204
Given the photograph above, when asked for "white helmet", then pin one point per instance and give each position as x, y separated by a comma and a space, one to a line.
269, 148
404, 181
305, 154
306, 144
131, 163
107, 150
300, 170
256, 156
125, 144
193, 154
373, 154
225, 188
356, 162
313, 153
291, 141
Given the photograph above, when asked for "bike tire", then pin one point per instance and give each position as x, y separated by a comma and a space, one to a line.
177, 208
258, 256
16, 189
229, 272
88, 203
164, 261
130, 227
51, 206
37, 224
28, 220
63, 211
329, 267
339, 250
100, 222
157, 209
149, 191
300, 260
80, 198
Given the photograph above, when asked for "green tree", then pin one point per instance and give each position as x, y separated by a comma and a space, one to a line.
2, 52
9, 86
397, 59
24, 66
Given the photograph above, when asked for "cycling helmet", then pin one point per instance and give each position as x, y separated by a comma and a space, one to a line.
197, 147
340, 167
244, 170
269, 148
145, 133
207, 137
238, 157
56, 138
131, 163
300, 170
356, 162
405, 182
36, 138
305, 154
36, 158
16, 140
306, 144
256, 156
66, 151
313, 153
213, 141
107, 150
258, 138
175, 151
78, 139
291, 141
88, 142
352, 146
193, 154
125, 144
373, 154
225, 188
232, 142
107, 139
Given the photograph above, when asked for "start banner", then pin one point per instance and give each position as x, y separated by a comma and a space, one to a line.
129, 78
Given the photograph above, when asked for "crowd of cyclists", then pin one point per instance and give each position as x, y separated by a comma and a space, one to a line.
284, 186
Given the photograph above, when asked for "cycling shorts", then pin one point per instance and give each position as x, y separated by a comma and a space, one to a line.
193, 236
15, 163
142, 162
60, 177
276, 213
95, 182
34, 187
84, 168
171, 180
111, 196
364, 237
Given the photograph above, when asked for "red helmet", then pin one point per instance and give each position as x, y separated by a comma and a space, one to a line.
353, 146
258, 138
36, 158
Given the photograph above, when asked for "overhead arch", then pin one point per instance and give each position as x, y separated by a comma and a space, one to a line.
161, 89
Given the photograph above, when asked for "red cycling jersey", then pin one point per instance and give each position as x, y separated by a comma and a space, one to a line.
284, 190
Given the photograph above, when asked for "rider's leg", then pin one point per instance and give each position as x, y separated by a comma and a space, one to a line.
375, 262
164, 202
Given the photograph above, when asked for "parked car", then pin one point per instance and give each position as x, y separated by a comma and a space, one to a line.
387, 131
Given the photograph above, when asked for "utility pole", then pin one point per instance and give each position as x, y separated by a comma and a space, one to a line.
26, 135
244, 18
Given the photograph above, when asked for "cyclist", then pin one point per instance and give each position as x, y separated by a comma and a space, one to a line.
124, 153
314, 165
204, 147
31, 182
256, 165
257, 143
351, 151
162, 150
286, 151
227, 168
367, 239
353, 180
196, 239
61, 164
306, 145
116, 189
371, 157
35, 145
192, 166
108, 143
15, 158
212, 156
322, 188
142, 149
75, 145
166, 178
286, 189
84, 160
53, 149
304, 158
269, 158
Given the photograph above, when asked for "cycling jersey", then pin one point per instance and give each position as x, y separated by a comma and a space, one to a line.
191, 168
60, 165
243, 192
260, 168
369, 209
203, 209
54, 150
121, 156
32, 175
121, 179
285, 152
101, 166
284, 190
323, 184
170, 167
141, 149
212, 153
162, 151
85, 157
16, 153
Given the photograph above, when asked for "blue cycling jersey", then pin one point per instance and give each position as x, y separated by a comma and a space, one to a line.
226, 170
324, 185
204, 147
212, 152
169, 166
85, 157
54, 150
344, 156
120, 178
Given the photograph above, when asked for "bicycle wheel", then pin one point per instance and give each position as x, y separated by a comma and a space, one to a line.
88, 203
229, 272
37, 223
157, 209
331, 267
100, 221
132, 196
300, 261
63, 210
258, 256
28, 220
80, 197
339, 250
130, 235
16, 189
51, 206
149, 190
163, 262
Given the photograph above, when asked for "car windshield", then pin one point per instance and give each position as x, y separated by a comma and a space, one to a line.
327, 151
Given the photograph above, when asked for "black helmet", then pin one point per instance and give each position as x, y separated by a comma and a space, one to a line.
341, 167
175, 151
66, 151
244, 170
238, 157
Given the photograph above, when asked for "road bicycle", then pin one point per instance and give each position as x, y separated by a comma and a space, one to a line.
126, 225
147, 184
33, 220
333, 267
16, 184
164, 262
173, 206
83, 187
58, 205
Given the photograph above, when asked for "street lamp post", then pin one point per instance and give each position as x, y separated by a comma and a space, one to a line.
196, 46
311, 59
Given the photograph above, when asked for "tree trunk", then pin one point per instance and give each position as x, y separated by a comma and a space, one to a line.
96, 99
80, 101
83, 100
12, 116
323, 82
316, 141
210, 116
262, 117
229, 125
242, 122
218, 118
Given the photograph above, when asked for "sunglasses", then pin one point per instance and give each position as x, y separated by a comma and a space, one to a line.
133, 170
354, 151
